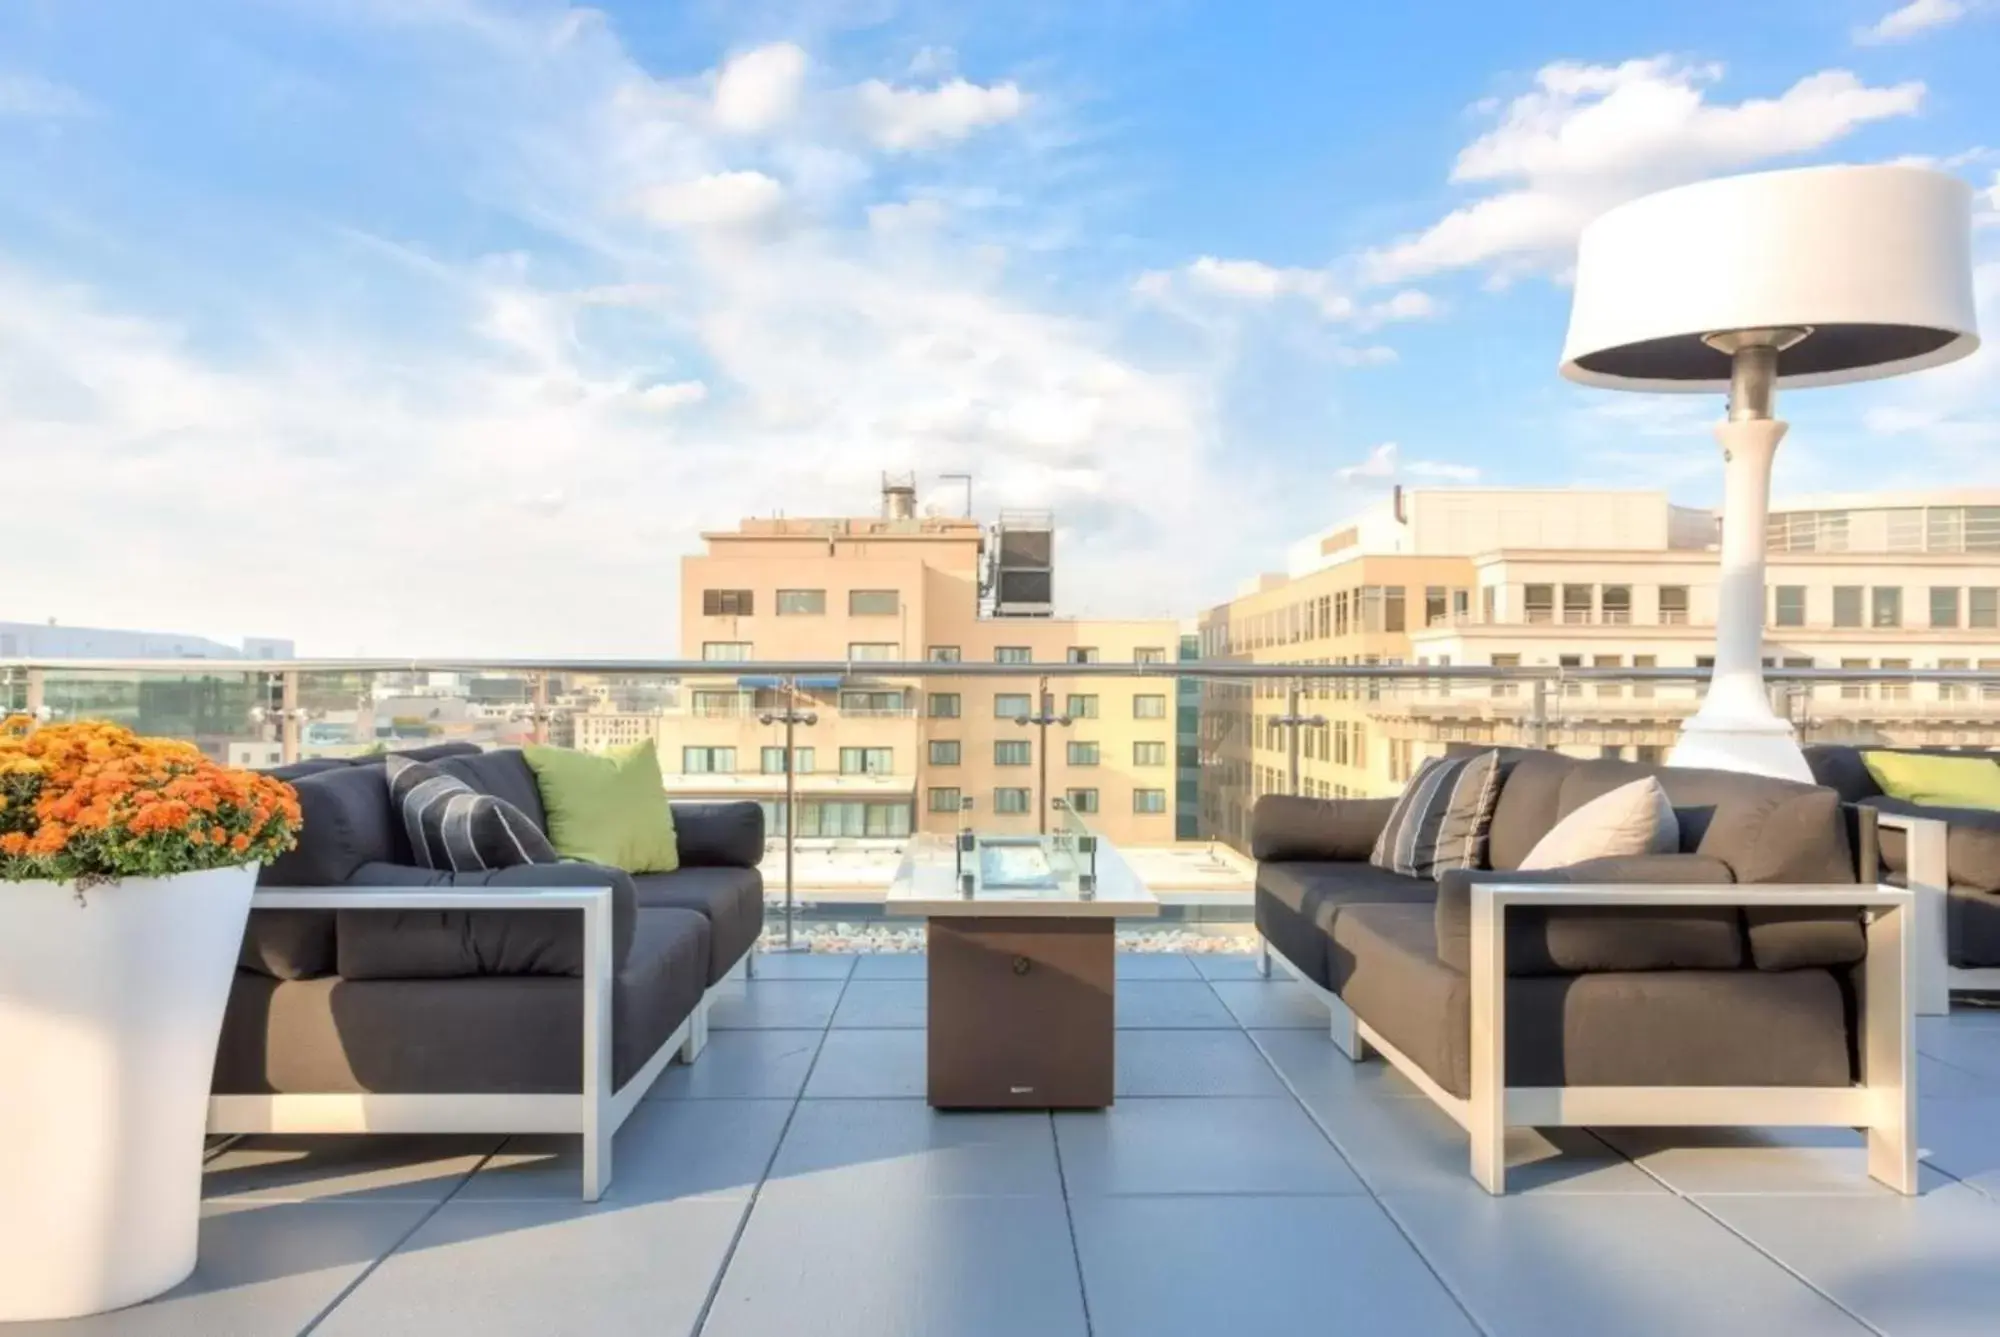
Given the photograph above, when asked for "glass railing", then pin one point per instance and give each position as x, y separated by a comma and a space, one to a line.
1161, 763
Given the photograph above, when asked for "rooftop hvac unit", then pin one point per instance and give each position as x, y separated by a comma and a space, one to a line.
1023, 564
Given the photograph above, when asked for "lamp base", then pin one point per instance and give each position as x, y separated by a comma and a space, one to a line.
1759, 746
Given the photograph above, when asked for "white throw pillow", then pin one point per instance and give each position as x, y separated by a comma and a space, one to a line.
1631, 819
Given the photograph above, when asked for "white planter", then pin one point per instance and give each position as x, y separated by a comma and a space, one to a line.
109, 1015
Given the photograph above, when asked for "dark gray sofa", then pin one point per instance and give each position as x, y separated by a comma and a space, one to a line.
1614, 998
429, 1001
1972, 847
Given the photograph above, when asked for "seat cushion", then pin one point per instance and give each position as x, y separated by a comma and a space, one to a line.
719, 834
731, 898
1620, 1028
1972, 841
1296, 901
1973, 926
512, 1035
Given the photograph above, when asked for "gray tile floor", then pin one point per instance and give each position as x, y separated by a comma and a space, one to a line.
1248, 1179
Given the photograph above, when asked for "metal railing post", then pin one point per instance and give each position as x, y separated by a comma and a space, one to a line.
791, 717
1044, 716
289, 716
34, 703
538, 687
1292, 722
1538, 716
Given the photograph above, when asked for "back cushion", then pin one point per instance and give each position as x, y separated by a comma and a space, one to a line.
503, 774
346, 823
1840, 769
1530, 797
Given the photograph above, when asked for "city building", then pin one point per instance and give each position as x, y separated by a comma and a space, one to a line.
1592, 580
52, 640
889, 754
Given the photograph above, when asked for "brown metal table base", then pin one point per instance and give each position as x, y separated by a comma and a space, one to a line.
1021, 1013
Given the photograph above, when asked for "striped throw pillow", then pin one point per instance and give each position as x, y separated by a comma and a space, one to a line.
1441, 820
453, 826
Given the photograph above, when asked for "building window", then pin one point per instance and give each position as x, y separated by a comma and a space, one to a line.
873, 651
1854, 691
1154, 654
946, 800
1012, 706
1010, 800
708, 760
944, 752
1393, 618
853, 817
1788, 606
1489, 604
1895, 691
1081, 654
1012, 654
1538, 603
1081, 706
942, 654
1644, 662
867, 761
725, 603
725, 652
1149, 707
1673, 605
773, 761
1952, 691
1436, 608
1149, 800
1149, 754
1082, 754
1609, 690
716, 704
942, 705
1905, 529
1886, 606
1617, 605
873, 603
1082, 800
1944, 606
1846, 605
801, 603
1578, 601
1012, 752
1501, 687
854, 702
1982, 607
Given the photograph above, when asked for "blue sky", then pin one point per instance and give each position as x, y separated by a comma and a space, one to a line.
435, 326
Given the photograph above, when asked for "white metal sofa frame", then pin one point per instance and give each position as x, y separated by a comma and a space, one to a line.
596, 1112
1929, 879
1882, 1104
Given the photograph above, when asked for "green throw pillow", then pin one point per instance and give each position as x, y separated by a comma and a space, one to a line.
1938, 782
609, 809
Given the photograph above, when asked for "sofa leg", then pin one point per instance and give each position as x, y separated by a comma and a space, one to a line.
697, 1036
1263, 957
1347, 1032
750, 963
596, 1152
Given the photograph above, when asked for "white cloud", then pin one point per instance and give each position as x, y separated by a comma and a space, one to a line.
1911, 20
721, 200
904, 217
1256, 282
33, 98
1384, 464
758, 90
903, 119
1587, 137
672, 395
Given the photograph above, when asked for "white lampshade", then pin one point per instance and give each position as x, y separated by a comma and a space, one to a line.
1875, 261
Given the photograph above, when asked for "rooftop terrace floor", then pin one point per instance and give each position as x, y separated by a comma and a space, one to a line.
1249, 1180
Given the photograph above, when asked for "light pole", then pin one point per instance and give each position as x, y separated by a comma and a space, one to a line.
1042, 719
1816, 276
792, 718
1291, 721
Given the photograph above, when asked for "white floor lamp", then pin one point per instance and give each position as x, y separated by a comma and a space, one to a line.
1817, 276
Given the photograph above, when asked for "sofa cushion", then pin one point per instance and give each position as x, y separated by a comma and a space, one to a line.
453, 826
446, 944
1624, 1028
345, 822
1972, 842
719, 834
731, 898
1972, 925
503, 774
1283, 827
609, 808
1937, 781
512, 1035
1295, 903
1633, 819
1840, 769
1441, 818
1767, 830
1543, 941
1529, 805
